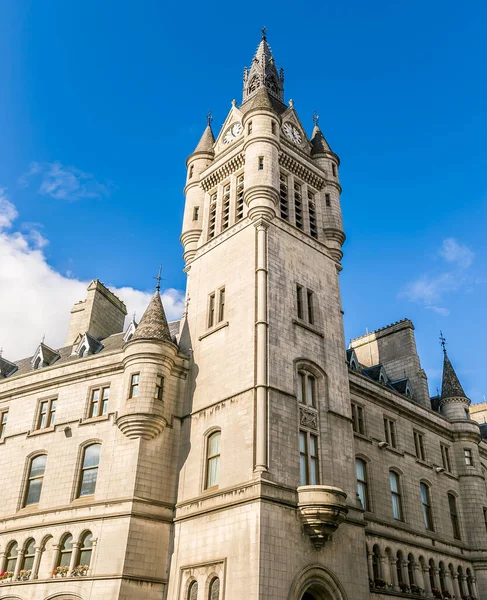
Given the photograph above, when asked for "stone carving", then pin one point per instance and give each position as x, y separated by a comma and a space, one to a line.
308, 418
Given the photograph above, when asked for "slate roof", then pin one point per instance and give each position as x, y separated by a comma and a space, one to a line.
262, 99
400, 385
153, 325
319, 145
6, 367
450, 385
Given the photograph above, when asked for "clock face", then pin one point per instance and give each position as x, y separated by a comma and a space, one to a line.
232, 132
292, 133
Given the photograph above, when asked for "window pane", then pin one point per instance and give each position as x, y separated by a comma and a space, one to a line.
85, 557
65, 559
88, 482
33, 491
92, 456
424, 494
303, 475
28, 562
393, 478
213, 468
360, 469
302, 442
215, 589
313, 446
68, 543
214, 444
301, 386
314, 471
38, 466
87, 541
362, 494
311, 390
396, 506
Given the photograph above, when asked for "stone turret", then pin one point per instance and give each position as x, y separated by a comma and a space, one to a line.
454, 404
196, 163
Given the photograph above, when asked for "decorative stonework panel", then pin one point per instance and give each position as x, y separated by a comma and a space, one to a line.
308, 418
204, 581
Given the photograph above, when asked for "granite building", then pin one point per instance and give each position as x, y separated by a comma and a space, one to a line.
241, 452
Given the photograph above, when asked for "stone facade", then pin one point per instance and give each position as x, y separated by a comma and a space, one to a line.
241, 452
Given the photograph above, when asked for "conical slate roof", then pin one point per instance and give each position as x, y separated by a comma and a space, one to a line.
153, 325
263, 73
319, 145
450, 385
207, 140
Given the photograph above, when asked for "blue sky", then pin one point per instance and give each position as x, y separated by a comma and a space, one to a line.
103, 101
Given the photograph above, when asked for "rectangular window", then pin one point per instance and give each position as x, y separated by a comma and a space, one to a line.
221, 305
134, 385
261, 163
455, 523
3, 423
283, 193
226, 207
306, 388
313, 229
213, 460
390, 432
47, 413
196, 213
362, 491
308, 459
240, 198
358, 419
426, 503
159, 394
211, 310
249, 128
298, 206
309, 298
334, 169
468, 457
327, 200
395, 496
99, 401
419, 445
273, 127
212, 218
299, 300
485, 517
445, 457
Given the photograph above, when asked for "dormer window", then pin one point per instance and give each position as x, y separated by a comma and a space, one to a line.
83, 352
37, 363
130, 330
88, 345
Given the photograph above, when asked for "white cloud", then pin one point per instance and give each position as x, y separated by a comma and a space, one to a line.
36, 299
430, 290
455, 253
64, 183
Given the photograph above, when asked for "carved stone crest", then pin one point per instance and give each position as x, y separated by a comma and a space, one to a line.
308, 418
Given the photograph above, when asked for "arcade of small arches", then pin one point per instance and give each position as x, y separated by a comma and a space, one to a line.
402, 571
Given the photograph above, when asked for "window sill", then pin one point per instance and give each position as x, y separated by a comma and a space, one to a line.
84, 499
91, 420
308, 327
394, 450
362, 436
214, 329
423, 463
41, 431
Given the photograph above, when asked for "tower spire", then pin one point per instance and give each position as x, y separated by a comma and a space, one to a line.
450, 384
207, 139
263, 72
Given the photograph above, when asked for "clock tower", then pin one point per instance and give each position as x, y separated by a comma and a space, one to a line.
267, 504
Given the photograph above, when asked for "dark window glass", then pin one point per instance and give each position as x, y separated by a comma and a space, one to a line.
35, 479
89, 470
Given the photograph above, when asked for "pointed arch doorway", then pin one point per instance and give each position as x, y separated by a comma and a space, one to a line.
316, 583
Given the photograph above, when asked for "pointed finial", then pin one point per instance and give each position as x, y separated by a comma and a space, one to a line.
1, 352
209, 117
158, 279
291, 103
443, 342
234, 103
43, 338
264, 32
316, 118
133, 316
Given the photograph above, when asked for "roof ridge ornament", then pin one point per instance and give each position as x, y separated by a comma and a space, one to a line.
209, 118
443, 342
264, 32
158, 279
316, 118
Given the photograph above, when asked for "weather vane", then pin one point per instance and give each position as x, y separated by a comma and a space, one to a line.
316, 117
209, 117
443, 341
264, 32
158, 279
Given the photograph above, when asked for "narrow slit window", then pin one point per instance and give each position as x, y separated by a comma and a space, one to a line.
309, 298
455, 523
395, 496
261, 163
358, 419
191, 169
313, 229
419, 446
134, 385
362, 486
159, 393
212, 218
273, 127
468, 457
226, 207
240, 198
3, 423
390, 432
211, 310
249, 128
334, 169
327, 200
221, 305
213, 460
196, 213
426, 503
89, 470
298, 206
299, 301
445, 457
283, 197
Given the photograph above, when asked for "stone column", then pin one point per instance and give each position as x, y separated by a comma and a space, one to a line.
448, 582
393, 568
426, 580
474, 587
416, 573
37, 561
91, 568
18, 563
74, 557
55, 558
370, 567
3, 561
456, 587
261, 351
404, 571
436, 578
463, 584
385, 568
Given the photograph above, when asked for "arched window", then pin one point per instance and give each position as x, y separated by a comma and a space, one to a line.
469, 583
432, 573
37, 363
376, 562
213, 459
214, 591
426, 503
306, 388
442, 576
193, 591
395, 496
86, 549
89, 470
65, 551
461, 582
455, 523
411, 569
362, 485
399, 561
35, 479
12, 552
28, 558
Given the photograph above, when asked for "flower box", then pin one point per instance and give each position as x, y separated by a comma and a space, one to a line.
79, 571
60, 572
